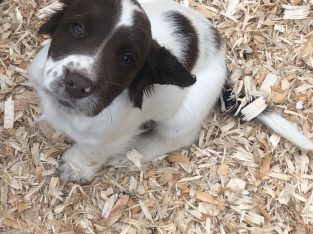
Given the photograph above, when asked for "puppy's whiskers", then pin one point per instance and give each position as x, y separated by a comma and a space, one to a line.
113, 83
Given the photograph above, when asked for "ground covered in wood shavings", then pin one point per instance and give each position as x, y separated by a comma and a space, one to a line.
238, 178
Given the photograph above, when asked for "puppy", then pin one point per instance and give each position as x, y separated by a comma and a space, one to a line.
114, 65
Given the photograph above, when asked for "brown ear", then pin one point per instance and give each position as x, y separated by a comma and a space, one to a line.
161, 67
52, 23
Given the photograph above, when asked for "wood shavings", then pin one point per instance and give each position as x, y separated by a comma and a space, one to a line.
182, 160
22, 206
237, 178
19, 16
279, 28
285, 195
270, 80
236, 184
132, 184
190, 178
107, 193
35, 153
307, 50
274, 140
206, 197
253, 109
309, 62
145, 210
222, 170
109, 205
34, 190
280, 176
8, 113
117, 210
48, 10
265, 166
231, 9
134, 156
296, 12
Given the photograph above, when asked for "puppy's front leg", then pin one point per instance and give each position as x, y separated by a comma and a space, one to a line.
165, 140
81, 163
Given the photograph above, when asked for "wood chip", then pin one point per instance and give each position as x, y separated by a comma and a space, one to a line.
107, 193
265, 167
117, 210
107, 208
190, 178
206, 197
9, 113
236, 184
134, 156
222, 170
182, 160
145, 210
35, 153
178, 158
296, 12
269, 81
253, 109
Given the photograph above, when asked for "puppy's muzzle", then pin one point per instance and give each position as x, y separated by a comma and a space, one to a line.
77, 86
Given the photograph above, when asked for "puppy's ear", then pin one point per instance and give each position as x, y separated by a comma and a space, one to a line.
52, 23
162, 68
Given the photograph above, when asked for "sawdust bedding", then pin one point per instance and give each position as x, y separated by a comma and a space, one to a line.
238, 178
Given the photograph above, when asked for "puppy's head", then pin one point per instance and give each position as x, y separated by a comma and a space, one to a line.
100, 48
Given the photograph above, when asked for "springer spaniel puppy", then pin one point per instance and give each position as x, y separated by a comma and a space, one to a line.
114, 65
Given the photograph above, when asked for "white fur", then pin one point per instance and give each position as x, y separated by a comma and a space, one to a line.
128, 10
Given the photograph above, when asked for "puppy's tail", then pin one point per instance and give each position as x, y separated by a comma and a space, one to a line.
258, 110
285, 129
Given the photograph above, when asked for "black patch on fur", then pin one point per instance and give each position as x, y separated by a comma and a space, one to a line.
216, 38
186, 34
229, 99
161, 67
97, 17
135, 2
52, 23
148, 128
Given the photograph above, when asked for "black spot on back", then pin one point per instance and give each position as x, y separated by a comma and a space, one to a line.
148, 128
186, 33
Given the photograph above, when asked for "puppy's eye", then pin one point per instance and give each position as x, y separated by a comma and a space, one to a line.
127, 59
78, 30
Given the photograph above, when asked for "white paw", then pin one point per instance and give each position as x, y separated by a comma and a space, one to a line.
70, 173
77, 167
119, 161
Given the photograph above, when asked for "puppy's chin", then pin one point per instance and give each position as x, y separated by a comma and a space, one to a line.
80, 107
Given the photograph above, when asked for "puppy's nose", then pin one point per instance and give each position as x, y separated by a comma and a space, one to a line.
77, 86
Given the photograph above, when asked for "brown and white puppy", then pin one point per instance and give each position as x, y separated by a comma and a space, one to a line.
113, 65
99, 49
